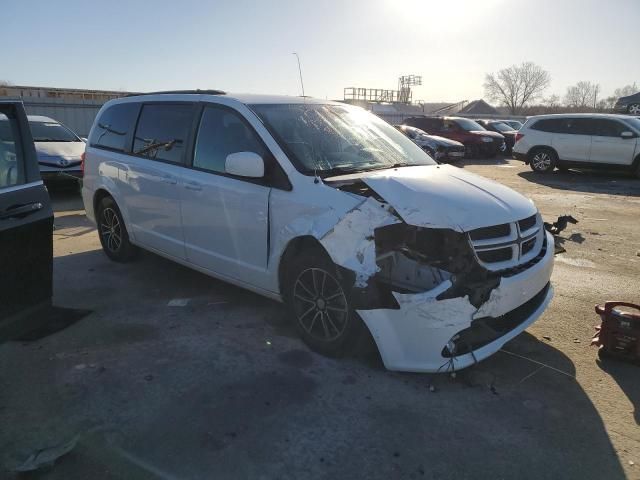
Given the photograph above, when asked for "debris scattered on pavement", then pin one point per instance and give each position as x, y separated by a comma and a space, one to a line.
46, 457
178, 302
559, 225
546, 337
618, 334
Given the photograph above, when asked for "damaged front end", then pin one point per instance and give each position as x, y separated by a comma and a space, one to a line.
438, 299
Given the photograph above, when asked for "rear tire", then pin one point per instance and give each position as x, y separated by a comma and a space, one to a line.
113, 232
634, 109
542, 160
317, 297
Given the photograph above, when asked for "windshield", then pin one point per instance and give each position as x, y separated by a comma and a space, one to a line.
333, 139
502, 127
634, 122
51, 132
468, 125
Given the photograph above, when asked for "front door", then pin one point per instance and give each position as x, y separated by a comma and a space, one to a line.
573, 140
151, 188
225, 219
26, 222
608, 145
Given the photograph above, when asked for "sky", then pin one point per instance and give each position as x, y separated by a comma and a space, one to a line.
246, 46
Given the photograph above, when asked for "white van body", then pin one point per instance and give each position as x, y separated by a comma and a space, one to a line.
239, 229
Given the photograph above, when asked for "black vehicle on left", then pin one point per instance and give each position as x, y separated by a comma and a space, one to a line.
504, 129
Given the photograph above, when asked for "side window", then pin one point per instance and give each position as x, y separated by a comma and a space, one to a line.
11, 161
551, 125
162, 131
608, 128
222, 132
580, 126
113, 127
449, 126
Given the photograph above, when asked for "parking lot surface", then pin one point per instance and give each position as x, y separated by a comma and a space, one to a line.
177, 375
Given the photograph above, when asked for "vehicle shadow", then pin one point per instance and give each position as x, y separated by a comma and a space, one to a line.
65, 196
587, 181
498, 161
626, 376
225, 374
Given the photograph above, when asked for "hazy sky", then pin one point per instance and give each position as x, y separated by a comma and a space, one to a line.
245, 46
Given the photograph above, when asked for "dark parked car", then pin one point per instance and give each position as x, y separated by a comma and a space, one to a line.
440, 148
502, 128
476, 139
629, 104
26, 226
515, 124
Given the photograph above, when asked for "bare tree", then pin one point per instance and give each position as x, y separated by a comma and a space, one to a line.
517, 85
625, 91
581, 95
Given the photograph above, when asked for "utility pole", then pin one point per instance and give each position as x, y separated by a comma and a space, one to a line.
300, 72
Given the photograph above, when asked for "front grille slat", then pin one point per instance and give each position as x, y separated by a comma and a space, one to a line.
504, 246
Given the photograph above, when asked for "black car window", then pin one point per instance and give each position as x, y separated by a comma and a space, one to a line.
11, 161
51, 132
551, 125
221, 133
162, 131
112, 129
579, 126
608, 128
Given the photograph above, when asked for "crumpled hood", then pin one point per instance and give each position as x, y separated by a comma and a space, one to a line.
444, 196
50, 152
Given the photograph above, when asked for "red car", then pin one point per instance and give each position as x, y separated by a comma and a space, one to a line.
477, 140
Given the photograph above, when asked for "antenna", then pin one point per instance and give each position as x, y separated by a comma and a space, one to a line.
300, 72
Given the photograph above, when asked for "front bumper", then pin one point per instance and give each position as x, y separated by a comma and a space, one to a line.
56, 173
415, 337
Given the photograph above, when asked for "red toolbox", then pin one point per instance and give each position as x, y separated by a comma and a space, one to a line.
618, 335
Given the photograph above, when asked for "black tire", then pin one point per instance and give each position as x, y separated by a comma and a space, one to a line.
113, 233
634, 109
542, 160
318, 300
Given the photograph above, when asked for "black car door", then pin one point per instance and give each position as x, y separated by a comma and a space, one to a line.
26, 223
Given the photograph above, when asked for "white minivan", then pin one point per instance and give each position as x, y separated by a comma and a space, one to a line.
582, 140
327, 208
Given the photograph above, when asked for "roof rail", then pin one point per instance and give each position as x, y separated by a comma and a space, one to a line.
186, 92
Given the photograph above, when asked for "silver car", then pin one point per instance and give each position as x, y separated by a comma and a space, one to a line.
58, 148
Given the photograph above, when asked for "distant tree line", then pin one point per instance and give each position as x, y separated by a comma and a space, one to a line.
520, 88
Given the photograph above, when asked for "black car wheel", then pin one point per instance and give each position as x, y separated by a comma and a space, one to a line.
542, 160
113, 233
318, 299
634, 109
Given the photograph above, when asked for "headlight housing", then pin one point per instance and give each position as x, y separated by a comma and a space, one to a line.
487, 139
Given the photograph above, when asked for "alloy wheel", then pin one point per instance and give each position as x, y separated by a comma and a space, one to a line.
541, 161
111, 230
634, 109
320, 304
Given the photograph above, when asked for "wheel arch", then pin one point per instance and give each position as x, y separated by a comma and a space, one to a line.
293, 248
98, 195
535, 148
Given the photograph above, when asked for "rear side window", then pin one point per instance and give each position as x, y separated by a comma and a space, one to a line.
162, 131
579, 126
608, 128
221, 133
113, 127
551, 125
11, 162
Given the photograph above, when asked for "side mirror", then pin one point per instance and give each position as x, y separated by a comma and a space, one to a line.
244, 164
627, 135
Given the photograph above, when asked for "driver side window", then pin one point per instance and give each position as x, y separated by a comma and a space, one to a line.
221, 133
11, 166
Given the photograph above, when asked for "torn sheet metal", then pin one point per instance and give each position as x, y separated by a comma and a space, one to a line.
351, 241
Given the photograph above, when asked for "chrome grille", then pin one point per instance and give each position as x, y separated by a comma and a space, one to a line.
506, 245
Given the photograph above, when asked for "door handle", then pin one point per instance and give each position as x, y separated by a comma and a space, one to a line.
169, 180
196, 187
20, 210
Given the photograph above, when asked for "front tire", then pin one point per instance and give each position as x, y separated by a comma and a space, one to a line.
113, 232
634, 109
317, 297
542, 160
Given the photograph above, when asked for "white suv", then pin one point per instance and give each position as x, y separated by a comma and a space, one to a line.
580, 140
328, 208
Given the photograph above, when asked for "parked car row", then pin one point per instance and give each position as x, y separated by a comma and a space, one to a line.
441, 149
